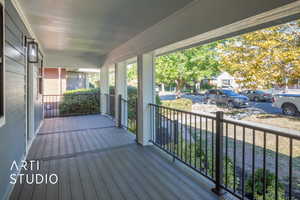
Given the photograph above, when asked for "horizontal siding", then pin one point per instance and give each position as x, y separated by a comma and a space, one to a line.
13, 133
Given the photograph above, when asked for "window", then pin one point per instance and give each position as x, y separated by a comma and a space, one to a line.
226, 82
1, 67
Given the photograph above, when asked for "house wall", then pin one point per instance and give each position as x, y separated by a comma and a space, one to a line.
54, 81
226, 76
13, 133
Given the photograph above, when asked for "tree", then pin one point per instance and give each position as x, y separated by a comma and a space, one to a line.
187, 67
132, 73
263, 58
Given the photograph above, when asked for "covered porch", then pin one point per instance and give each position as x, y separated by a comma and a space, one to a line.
95, 160
174, 154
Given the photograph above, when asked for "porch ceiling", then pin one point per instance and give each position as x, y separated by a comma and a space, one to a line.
77, 33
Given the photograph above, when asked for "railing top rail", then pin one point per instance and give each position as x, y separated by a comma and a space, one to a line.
210, 116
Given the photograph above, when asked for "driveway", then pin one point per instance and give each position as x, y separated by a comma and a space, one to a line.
266, 107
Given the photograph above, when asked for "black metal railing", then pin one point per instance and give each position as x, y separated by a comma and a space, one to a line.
245, 159
71, 104
128, 114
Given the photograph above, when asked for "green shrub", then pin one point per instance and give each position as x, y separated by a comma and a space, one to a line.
180, 104
81, 101
205, 161
206, 86
259, 186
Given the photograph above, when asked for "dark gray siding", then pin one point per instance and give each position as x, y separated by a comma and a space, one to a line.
13, 133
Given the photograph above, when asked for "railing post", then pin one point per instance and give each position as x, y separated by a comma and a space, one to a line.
120, 111
136, 121
108, 104
219, 154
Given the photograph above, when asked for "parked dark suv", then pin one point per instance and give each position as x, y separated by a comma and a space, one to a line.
257, 95
226, 97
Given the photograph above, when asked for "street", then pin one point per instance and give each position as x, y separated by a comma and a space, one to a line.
263, 107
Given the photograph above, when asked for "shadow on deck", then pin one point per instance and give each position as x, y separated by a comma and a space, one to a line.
95, 160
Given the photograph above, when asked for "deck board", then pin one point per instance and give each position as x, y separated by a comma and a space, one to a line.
95, 160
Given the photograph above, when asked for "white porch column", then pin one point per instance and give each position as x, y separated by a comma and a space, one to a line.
146, 95
121, 89
104, 86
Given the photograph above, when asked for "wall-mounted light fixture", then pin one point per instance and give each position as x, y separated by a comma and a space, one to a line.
32, 50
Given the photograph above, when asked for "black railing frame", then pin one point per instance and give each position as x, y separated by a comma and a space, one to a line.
219, 122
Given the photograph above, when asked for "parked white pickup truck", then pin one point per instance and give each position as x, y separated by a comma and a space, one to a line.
289, 103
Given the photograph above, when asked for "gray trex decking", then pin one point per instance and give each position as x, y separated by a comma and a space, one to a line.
95, 160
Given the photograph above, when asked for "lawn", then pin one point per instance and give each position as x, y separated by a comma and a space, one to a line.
281, 121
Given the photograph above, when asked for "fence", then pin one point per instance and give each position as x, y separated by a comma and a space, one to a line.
128, 114
71, 104
246, 160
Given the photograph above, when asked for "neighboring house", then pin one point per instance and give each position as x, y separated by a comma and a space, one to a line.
224, 80
59, 80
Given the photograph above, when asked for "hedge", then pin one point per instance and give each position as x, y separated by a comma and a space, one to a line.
81, 101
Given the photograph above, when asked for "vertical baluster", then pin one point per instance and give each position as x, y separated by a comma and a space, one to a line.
185, 138
276, 169
226, 156
234, 159
190, 136
181, 135
206, 147
243, 164
291, 169
264, 168
200, 145
166, 132
253, 164
177, 135
195, 141
169, 135
212, 149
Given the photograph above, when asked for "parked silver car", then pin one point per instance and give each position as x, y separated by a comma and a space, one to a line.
257, 95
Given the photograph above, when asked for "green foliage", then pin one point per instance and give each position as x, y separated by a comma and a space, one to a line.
204, 161
206, 86
180, 104
265, 57
81, 101
259, 186
82, 91
132, 73
188, 66
132, 100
